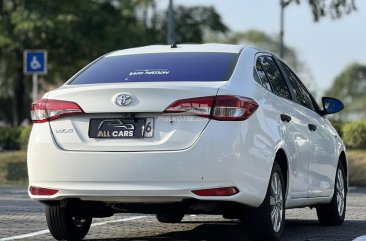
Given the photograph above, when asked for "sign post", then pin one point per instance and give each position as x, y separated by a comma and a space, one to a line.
35, 63
35, 87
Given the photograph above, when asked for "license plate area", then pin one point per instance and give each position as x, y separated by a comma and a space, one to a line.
121, 128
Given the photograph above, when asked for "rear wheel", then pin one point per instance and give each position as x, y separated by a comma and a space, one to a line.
65, 226
334, 212
267, 221
170, 217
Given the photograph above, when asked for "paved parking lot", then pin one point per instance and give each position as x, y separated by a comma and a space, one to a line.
19, 216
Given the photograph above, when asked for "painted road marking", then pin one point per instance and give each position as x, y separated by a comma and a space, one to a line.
26, 235
362, 238
46, 231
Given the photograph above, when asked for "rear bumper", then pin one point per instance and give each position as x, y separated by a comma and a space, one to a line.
127, 192
161, 176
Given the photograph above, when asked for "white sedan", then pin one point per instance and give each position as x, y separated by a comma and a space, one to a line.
187, 129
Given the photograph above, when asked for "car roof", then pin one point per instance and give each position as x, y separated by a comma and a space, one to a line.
209, 48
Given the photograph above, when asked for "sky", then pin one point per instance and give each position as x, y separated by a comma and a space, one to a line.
327, 46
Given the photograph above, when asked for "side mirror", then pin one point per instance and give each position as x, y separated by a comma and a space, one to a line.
331, 105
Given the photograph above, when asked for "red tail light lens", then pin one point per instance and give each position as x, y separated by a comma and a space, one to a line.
45, 110
39, 191
233, 108
221, 107
196, 106
223, 191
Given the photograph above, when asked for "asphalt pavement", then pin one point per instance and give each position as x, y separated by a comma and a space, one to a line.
23, 219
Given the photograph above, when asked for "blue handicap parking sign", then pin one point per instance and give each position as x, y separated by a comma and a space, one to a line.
35, 62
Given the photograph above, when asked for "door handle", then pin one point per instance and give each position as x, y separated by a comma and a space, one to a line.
312, 127
285, 118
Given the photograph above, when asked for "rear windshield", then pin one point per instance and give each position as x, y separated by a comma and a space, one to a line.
159, 67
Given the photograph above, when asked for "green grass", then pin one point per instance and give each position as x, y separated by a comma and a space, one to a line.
357, 167
13, 167
16, 160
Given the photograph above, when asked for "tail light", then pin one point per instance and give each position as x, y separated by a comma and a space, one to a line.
45, 110
223, 191
196, 106
39, 191
221, 107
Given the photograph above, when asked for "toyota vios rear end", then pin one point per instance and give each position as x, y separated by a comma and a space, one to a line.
159, 130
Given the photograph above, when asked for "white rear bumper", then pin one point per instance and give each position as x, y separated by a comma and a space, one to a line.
161, 176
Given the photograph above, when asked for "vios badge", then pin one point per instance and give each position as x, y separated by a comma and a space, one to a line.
123, 99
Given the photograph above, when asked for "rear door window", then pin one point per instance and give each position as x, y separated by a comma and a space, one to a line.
262, 76
302, 95
156, 67
274, 75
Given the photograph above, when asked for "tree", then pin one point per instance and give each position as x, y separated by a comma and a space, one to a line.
322, 8
60, 28
191, 24
76, 32
350, 87
262, 40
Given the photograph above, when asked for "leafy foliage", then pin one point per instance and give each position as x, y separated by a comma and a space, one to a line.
24, 134
271, 43
76, 32
262, 40
9, 138
15, 138
350, 87
354, 134
192, 22
357, 167
13, 162
322, 8
338, 125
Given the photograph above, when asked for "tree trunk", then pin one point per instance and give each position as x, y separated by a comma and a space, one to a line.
18, 98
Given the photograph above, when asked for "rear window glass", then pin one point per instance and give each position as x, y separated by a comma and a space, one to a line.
159, 67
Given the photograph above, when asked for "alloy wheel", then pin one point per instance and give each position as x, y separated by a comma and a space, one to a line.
340, 192
276, 202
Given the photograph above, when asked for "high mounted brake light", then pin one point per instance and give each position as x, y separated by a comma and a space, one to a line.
45, 110
221, 107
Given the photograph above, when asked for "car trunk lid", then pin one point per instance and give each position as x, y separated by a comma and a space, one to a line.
149, 100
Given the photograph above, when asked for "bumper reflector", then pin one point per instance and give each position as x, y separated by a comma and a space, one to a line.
38, 191
223, 191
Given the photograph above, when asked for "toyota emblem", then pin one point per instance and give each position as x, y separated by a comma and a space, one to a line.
123, 99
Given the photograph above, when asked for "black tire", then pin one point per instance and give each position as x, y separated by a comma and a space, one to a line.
331, 213
64, 226
170, 217
258, 221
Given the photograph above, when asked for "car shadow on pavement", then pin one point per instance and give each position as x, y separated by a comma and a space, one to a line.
295, 230
312, 230
208, 231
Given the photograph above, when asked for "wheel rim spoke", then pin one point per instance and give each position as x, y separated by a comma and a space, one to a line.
272, 201
273, 213
279, 216
276, 220
276, 184
340, 192
276, 202
273, 188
